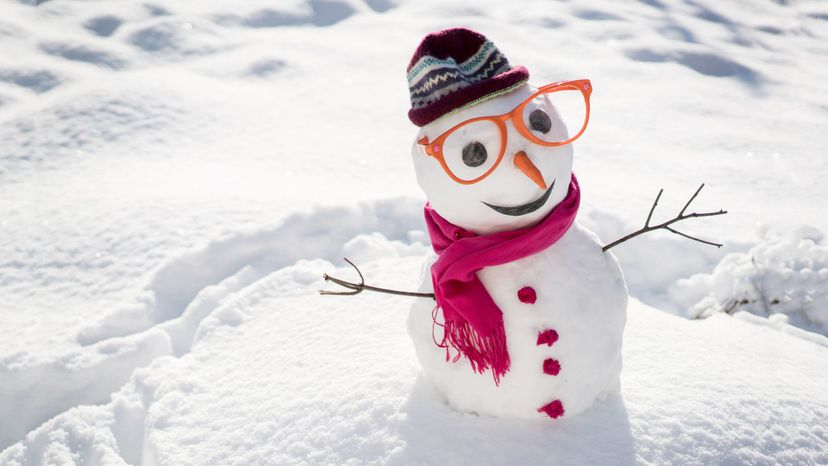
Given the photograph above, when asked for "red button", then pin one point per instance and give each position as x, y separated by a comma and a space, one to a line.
551, 367
547, 337
554, 409
527, 295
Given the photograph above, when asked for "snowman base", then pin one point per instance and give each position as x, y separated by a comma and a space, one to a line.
564, 338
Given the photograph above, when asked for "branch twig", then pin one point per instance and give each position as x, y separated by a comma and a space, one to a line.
666, 225
357, 288
652, 209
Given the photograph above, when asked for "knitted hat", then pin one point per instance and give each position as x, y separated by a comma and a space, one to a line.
455, 68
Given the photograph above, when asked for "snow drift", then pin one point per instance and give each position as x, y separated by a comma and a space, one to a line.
175, 177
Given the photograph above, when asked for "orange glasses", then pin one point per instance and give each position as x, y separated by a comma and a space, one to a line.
467, 150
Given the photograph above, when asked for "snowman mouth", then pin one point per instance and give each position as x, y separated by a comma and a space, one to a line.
524, 209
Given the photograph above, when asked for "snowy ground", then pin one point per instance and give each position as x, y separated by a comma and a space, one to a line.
163, 167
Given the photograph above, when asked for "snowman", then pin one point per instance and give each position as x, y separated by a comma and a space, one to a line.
527, 310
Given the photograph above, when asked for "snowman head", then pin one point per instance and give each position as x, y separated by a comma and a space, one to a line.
493, 153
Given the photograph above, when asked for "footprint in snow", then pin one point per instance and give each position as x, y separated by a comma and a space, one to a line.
706, 63
84, 53
103, 26
37, 80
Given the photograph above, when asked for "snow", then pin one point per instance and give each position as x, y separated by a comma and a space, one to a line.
785, 278
174, 178
294, 378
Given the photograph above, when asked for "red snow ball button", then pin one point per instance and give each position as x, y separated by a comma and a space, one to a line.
547, 337
527, 295
551, 367
554, 409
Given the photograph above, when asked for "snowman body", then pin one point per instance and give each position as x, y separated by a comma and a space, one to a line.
571, 290
563, 308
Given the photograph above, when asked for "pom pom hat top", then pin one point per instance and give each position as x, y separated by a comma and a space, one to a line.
456, 68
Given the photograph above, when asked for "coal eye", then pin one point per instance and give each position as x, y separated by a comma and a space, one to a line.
539, 121
474, 154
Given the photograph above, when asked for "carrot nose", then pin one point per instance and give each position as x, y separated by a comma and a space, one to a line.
529, 169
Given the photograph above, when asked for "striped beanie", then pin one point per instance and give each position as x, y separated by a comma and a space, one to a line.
456, 68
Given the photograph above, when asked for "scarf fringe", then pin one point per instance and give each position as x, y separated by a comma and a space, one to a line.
483, 353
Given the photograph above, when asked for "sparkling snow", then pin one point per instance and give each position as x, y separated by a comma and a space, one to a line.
175, 178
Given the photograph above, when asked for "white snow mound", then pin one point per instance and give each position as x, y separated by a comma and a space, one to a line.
783, 277
297, 377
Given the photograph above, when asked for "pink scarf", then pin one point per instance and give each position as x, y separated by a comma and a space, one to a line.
473, 322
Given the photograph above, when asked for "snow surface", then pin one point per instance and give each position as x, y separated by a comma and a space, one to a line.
784, 278
163, 167
280, 376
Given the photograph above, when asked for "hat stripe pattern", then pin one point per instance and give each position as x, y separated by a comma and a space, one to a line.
428, 62
432, 78
455, 68
439, 83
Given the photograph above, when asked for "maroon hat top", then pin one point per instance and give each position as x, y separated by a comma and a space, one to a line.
456, 68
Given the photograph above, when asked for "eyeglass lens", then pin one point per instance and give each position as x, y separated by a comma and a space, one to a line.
555, 116
472, 149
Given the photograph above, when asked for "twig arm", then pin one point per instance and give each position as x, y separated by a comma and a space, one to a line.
666, 225
356, 288
625, 238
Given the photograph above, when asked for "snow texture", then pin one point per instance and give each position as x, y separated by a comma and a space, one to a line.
785, 278
175, 177
280, 376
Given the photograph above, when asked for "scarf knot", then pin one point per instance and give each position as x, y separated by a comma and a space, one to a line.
472, 322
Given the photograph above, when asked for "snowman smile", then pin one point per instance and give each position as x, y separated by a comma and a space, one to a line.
524, 209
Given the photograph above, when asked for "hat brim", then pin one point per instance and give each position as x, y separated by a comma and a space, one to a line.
503, 83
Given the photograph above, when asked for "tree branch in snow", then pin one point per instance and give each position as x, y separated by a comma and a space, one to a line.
667, 225
357, 288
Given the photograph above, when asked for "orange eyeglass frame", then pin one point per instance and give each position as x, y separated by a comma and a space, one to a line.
434, 148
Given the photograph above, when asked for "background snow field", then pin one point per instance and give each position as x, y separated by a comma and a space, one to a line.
176, 176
